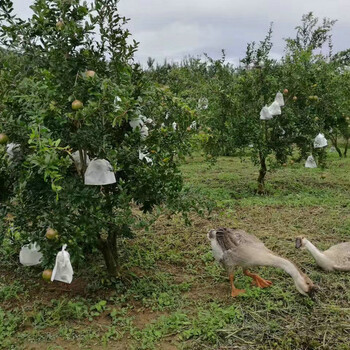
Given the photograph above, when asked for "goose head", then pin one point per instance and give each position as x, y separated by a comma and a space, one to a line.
304, 285
215, 246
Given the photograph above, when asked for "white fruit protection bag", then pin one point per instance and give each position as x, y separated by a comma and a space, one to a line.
279, 99
30, 255
320, 141
203, 103
268, 112
63, 270
99, 172
275, 109
310, 162
13, 150
78, 164
265, 114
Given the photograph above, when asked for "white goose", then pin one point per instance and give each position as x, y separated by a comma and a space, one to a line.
336, 257
234, 247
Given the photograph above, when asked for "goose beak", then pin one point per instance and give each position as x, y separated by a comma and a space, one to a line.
313, 291
211, 234
298, 242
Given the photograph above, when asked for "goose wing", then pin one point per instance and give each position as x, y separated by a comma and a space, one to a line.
240, 248
231, 239
340, 254
341, 248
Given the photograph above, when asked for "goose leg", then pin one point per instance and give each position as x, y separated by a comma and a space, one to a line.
257, 280
234, 291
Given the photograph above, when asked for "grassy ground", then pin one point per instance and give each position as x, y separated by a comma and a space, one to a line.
174, 296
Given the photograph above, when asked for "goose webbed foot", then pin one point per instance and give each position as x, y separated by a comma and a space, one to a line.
257, 280
235, 291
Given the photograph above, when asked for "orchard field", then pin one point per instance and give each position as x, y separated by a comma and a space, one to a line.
172, 295
127, 168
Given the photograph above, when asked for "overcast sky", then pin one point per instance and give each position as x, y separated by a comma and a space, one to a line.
172, 29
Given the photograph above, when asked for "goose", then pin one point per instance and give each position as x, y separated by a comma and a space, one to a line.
235, 247
336, 257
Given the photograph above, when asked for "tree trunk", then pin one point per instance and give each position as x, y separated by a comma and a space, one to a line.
109, 250
339, 151
322, 156
335, 144
346, 147
262, 173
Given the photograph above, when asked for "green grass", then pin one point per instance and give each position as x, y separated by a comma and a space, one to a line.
232, 181
172, 294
